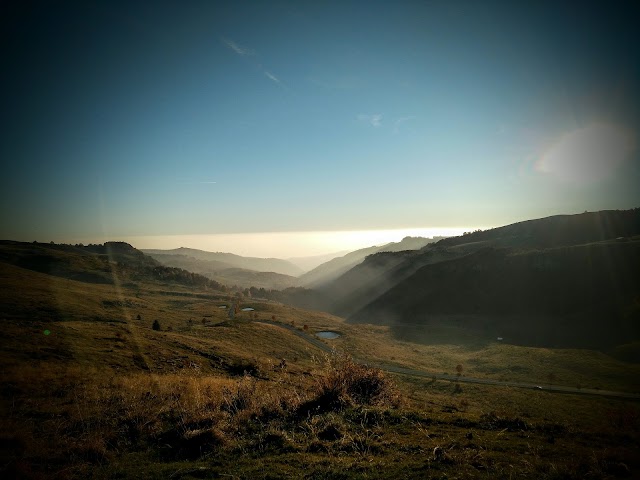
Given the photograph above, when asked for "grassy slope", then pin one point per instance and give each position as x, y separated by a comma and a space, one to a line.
569, 296
327, 272
234, 261
104, 396
558, 230
250, 278
378, 273
227, 274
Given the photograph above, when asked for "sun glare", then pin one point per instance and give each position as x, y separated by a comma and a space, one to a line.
588, 154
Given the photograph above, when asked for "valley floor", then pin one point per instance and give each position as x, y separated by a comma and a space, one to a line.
90, 390
185, 418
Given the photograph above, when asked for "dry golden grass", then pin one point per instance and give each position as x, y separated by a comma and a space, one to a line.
497, 361
102, 395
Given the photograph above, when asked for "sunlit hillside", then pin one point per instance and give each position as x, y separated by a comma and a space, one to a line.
150, 375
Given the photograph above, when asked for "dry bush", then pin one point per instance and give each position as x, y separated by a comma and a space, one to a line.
243, 367
242, 397
185, 416
249, 398
347, 383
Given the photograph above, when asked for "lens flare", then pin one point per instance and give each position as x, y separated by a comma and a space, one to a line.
588, 154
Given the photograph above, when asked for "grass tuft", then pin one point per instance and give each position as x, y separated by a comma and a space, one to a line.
347, 384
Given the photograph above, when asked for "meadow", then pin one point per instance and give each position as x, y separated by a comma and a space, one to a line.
91, 390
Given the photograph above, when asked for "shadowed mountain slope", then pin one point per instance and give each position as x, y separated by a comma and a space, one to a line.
557, 230
511, 279
229, 260
111, 263
331, 270
377, 274
250, 278
226, 274
309, 263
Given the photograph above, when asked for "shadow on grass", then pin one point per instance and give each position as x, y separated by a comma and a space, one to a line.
442, 335
475, 332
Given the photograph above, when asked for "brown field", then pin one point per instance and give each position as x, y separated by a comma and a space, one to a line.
89, 390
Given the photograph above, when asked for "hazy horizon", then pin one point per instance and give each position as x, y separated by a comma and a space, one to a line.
273, 244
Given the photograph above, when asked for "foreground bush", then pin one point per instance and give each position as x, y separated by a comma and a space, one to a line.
347, 384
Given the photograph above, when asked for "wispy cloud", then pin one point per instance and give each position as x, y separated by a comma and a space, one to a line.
272, 77
374, 120
399, 121
249, 52
237, 48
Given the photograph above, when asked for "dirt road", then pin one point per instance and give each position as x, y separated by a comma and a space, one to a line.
454, 378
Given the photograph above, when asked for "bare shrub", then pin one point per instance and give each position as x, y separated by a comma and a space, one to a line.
242, 397
243, 367
347, 383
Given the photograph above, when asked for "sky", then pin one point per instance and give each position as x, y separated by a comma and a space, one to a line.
165, 122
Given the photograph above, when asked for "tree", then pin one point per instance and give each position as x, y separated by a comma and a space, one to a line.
156, 325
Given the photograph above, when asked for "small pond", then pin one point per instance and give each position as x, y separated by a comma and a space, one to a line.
328, 334
248, 309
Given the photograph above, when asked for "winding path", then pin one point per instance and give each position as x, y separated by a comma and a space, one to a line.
454, 378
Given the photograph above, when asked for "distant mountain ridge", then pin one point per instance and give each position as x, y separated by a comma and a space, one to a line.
110, 263
331, 270
557, 230
230, 269
309, 263
244, 278
375, 275
230, 260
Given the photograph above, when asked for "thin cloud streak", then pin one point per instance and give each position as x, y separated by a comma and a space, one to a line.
245, 52
272, 77
398, 122
374, 120
237, 48
276, 80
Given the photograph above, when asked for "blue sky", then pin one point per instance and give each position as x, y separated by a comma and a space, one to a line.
134, 119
